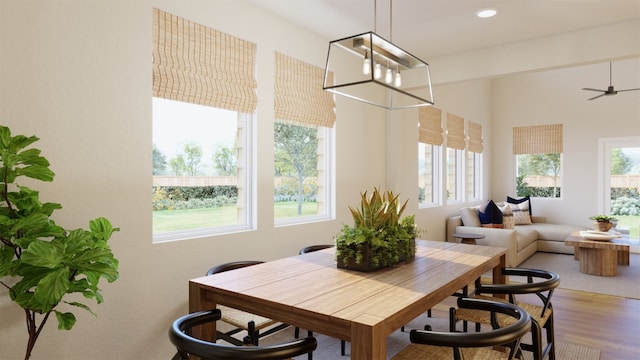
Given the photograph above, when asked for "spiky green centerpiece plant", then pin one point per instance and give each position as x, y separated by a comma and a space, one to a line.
41, 262
380, 236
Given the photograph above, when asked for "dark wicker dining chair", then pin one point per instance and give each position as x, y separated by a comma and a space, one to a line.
242, 320
436, 345
542, 283
312, 248
180, 336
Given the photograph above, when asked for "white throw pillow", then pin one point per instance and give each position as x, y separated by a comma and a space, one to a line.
521, 215
508, 222
470, 217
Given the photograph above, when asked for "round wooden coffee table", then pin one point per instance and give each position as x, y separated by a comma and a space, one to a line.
468, 238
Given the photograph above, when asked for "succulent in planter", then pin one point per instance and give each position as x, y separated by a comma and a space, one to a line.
41, 262
603, 222
380, 236
603, 218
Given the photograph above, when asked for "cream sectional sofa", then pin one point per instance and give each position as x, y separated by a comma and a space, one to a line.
522, 241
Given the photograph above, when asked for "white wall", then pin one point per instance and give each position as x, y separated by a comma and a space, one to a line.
78, 75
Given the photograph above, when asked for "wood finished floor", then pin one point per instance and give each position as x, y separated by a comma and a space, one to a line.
610, 324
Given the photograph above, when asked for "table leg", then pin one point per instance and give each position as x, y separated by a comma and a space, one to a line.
623, 257
198, 300
498, 276
368, 341
602, 262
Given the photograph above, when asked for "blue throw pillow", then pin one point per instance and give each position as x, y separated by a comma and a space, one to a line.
491, 214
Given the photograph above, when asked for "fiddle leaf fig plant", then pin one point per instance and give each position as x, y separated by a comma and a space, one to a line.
41, 262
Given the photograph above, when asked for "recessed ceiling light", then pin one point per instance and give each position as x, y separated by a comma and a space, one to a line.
486, 13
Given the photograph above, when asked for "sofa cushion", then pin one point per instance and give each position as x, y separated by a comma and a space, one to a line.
553, 232
469, 216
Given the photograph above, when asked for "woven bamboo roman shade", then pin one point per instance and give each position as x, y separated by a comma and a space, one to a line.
430, 131
298, 94
538, 139
196, 64
455, 132
474, 131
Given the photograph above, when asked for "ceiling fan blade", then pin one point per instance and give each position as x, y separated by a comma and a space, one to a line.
628, 90
590, 89
595, 97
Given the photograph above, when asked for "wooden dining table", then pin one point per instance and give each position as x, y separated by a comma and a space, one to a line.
310, 292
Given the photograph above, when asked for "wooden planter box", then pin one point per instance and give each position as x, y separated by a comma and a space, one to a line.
367, 263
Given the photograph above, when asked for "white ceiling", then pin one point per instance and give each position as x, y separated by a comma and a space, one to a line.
432, 28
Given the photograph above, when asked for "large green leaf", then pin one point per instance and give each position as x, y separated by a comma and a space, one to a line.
53, 286
43, 254
37, 172
82, 306
20, 142
32, 157
5, 138
65, 320
102, 228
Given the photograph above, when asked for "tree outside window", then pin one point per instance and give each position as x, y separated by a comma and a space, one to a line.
538, 175
296, 170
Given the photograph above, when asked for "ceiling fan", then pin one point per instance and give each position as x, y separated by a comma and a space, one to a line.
610, 90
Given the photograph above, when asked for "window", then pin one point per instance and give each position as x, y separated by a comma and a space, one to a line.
538, 155
429, 155
473, 168
428, 174
620, 174
201, 165
473, 172
303, 133
454, 157
454, 174
202, 122
301, 185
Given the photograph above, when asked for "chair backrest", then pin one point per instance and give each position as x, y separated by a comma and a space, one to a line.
232, 266
543, 288
312, 248
509, 335
180, 337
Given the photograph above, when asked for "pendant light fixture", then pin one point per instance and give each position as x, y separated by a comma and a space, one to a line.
358, 62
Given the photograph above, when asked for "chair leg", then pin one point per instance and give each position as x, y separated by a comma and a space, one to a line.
296, 332
536, 341
551, 337
252, 333
343, 350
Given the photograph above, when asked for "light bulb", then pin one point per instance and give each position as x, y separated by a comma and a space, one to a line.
398, 80
377, 71
388, 77
366, 65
